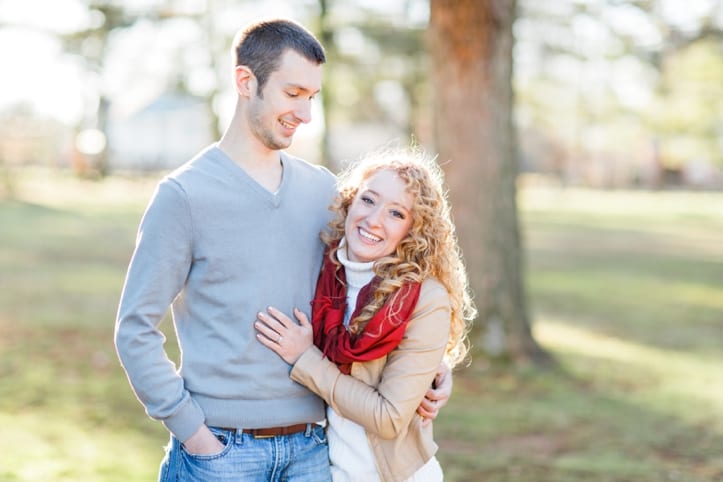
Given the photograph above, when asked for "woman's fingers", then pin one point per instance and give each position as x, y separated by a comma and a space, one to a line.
266, 341
267, 331
301, 316
276, 321
285, 337
279, 317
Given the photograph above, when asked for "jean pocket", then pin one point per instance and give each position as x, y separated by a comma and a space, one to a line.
222, 436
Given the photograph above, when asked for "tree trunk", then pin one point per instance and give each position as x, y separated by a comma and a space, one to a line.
471, 45
326, 36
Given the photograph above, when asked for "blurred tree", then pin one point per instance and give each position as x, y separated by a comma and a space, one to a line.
95, 45
601, 82
687, 115
217, 46
376, 77
326, 36
471, 44
92, 44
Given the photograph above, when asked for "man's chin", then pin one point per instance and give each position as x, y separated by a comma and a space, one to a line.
279, 144
284, 143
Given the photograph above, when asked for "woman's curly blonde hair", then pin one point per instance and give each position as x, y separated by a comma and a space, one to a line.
429, 250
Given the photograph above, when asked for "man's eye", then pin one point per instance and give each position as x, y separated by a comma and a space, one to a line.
292, 94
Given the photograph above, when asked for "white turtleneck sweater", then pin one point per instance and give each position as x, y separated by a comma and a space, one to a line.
349, 452
351, 457
357, 276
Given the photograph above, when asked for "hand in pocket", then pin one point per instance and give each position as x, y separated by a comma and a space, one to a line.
203, 442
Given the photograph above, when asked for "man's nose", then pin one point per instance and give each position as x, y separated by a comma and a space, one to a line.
303, 112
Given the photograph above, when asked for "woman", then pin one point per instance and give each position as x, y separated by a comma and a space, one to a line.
391, 302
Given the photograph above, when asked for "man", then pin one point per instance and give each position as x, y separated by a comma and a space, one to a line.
235, 230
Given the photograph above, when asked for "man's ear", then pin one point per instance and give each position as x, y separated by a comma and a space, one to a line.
244, 81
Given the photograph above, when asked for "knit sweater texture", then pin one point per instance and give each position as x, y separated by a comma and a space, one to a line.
218, 248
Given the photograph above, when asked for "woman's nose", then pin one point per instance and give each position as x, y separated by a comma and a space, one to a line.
374, 217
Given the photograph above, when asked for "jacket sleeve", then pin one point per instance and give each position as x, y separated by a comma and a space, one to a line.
386, 410
156, 274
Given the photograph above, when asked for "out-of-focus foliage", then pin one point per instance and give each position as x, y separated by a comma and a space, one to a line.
376, 85
688, 112
608, 92
613, 93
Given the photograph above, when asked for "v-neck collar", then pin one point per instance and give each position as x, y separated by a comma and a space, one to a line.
271, 198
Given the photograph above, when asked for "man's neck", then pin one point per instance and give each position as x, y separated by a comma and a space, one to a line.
259, 162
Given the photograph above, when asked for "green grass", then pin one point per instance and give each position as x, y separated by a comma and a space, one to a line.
626, 290
66, 410
627, 293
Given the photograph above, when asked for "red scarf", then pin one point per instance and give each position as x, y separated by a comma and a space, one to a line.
383, 332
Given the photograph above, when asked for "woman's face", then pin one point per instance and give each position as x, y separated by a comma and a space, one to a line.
380, 216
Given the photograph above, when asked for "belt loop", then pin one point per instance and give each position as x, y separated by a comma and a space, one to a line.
308, 430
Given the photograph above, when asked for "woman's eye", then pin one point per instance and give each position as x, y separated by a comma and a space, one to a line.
398, 214
367, 200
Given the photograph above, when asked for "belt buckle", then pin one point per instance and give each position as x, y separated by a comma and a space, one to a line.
263, 436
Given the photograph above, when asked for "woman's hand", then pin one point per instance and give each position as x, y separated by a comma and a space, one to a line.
283, 335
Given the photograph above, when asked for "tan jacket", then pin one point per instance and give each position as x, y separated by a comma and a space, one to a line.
383, 395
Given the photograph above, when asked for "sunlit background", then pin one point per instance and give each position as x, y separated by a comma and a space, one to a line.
609, 93
619, 121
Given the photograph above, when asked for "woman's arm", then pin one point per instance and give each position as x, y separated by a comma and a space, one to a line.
407, 375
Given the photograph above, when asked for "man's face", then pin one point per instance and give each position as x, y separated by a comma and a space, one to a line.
286, 101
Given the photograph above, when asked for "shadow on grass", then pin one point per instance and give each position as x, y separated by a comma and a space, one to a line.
660, 290
67, 403
554, 425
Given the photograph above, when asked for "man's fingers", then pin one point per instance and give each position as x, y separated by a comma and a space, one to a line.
437, 394
427, 404
429, 411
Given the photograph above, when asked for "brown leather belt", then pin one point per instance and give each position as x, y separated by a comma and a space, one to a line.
273, 431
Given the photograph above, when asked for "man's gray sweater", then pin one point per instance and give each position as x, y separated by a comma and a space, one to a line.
218, 248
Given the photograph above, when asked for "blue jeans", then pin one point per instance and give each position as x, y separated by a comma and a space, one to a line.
300, 457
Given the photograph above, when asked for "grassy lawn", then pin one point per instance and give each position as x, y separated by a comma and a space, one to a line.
626, 290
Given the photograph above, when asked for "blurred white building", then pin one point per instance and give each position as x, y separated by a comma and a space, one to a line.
160, 135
